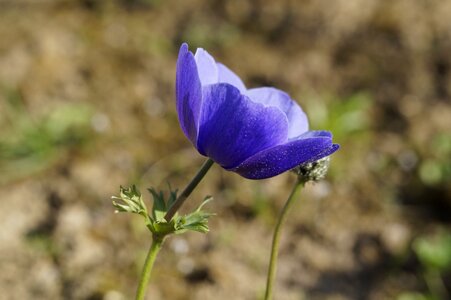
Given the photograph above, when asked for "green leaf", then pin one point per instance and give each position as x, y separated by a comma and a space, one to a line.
195, 221
130, 200
159, 206
172, 197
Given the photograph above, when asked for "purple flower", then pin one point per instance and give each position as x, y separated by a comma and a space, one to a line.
257, 133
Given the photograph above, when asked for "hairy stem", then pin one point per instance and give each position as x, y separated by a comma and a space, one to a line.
155, 247
188, 189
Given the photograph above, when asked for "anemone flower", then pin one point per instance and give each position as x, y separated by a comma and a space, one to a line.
257, 133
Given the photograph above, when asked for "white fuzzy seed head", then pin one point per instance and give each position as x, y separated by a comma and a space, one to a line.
313, 171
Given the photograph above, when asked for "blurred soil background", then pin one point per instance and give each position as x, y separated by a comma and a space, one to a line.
87, 104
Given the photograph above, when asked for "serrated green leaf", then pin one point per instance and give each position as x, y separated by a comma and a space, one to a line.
120, 207
131, 193
159, 206
130, 200
172, 197
206, 200
196, 221
202, 228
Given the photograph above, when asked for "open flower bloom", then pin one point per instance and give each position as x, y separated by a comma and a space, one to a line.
257, 133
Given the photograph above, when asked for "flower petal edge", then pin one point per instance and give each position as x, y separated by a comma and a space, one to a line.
276, 160
297, 119
188, 93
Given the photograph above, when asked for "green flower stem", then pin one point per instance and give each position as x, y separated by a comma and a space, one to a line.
188, 189
276, 239
157, 242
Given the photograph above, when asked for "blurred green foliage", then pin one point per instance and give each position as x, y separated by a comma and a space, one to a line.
199, 34
413, 296
29, 144
434, 252
436, 169
346, 117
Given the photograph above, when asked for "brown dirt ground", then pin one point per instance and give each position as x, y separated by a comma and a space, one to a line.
348, 238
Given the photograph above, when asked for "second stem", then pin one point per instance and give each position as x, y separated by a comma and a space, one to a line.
276, 239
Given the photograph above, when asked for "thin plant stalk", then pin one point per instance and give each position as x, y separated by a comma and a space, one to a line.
157, 243
188, 189
276, 239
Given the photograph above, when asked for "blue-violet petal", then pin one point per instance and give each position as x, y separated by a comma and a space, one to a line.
281, 158
227, 76
233, 128
188, 93
297, 120
206, 66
